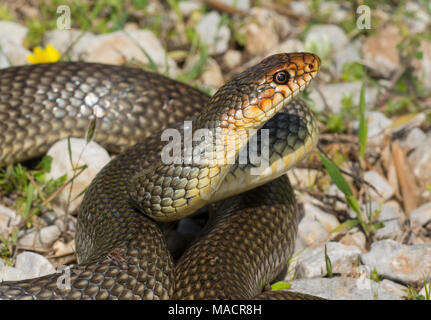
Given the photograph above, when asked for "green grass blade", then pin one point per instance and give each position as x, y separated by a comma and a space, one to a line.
349, 224
336, 175
363, 124
353, 203
69, 151
90, 131
328, 264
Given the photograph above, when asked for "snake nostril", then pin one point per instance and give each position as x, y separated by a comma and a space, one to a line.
311, 66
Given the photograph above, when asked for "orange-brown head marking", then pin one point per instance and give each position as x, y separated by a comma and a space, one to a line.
255, 95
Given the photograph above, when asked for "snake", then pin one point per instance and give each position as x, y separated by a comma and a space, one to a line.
120, 248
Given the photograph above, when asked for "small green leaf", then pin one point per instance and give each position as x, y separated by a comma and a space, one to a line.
375, 276
336, 175
419, 55
39, 176
336, 123
280, 285
377, 226
45, 164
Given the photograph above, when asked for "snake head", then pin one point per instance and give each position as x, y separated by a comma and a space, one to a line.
257, 94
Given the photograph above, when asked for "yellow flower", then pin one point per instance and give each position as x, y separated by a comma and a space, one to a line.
49, 54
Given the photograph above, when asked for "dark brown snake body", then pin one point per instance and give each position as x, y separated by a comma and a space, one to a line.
121, 251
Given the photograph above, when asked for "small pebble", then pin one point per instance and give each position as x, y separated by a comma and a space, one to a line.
420, 161
422, 215
380, 51
327, 220
312, 232
232, 58
41, 239
354, 239
334, 95
384, 189
213, 33
8, 218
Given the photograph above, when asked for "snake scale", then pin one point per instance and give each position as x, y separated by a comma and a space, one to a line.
121, 251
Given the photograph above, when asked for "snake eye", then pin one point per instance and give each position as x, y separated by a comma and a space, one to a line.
281, 77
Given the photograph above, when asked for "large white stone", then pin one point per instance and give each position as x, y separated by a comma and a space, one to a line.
92, 154
33, 265
11, 274
344, 288
12, 51
62, 40
399, 262
117, 47
312, 263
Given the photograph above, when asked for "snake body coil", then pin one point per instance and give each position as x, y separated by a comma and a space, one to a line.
120, 249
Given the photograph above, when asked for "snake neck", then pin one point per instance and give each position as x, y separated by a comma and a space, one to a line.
169, 191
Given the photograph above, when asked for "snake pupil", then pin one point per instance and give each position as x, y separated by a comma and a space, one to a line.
281, 77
